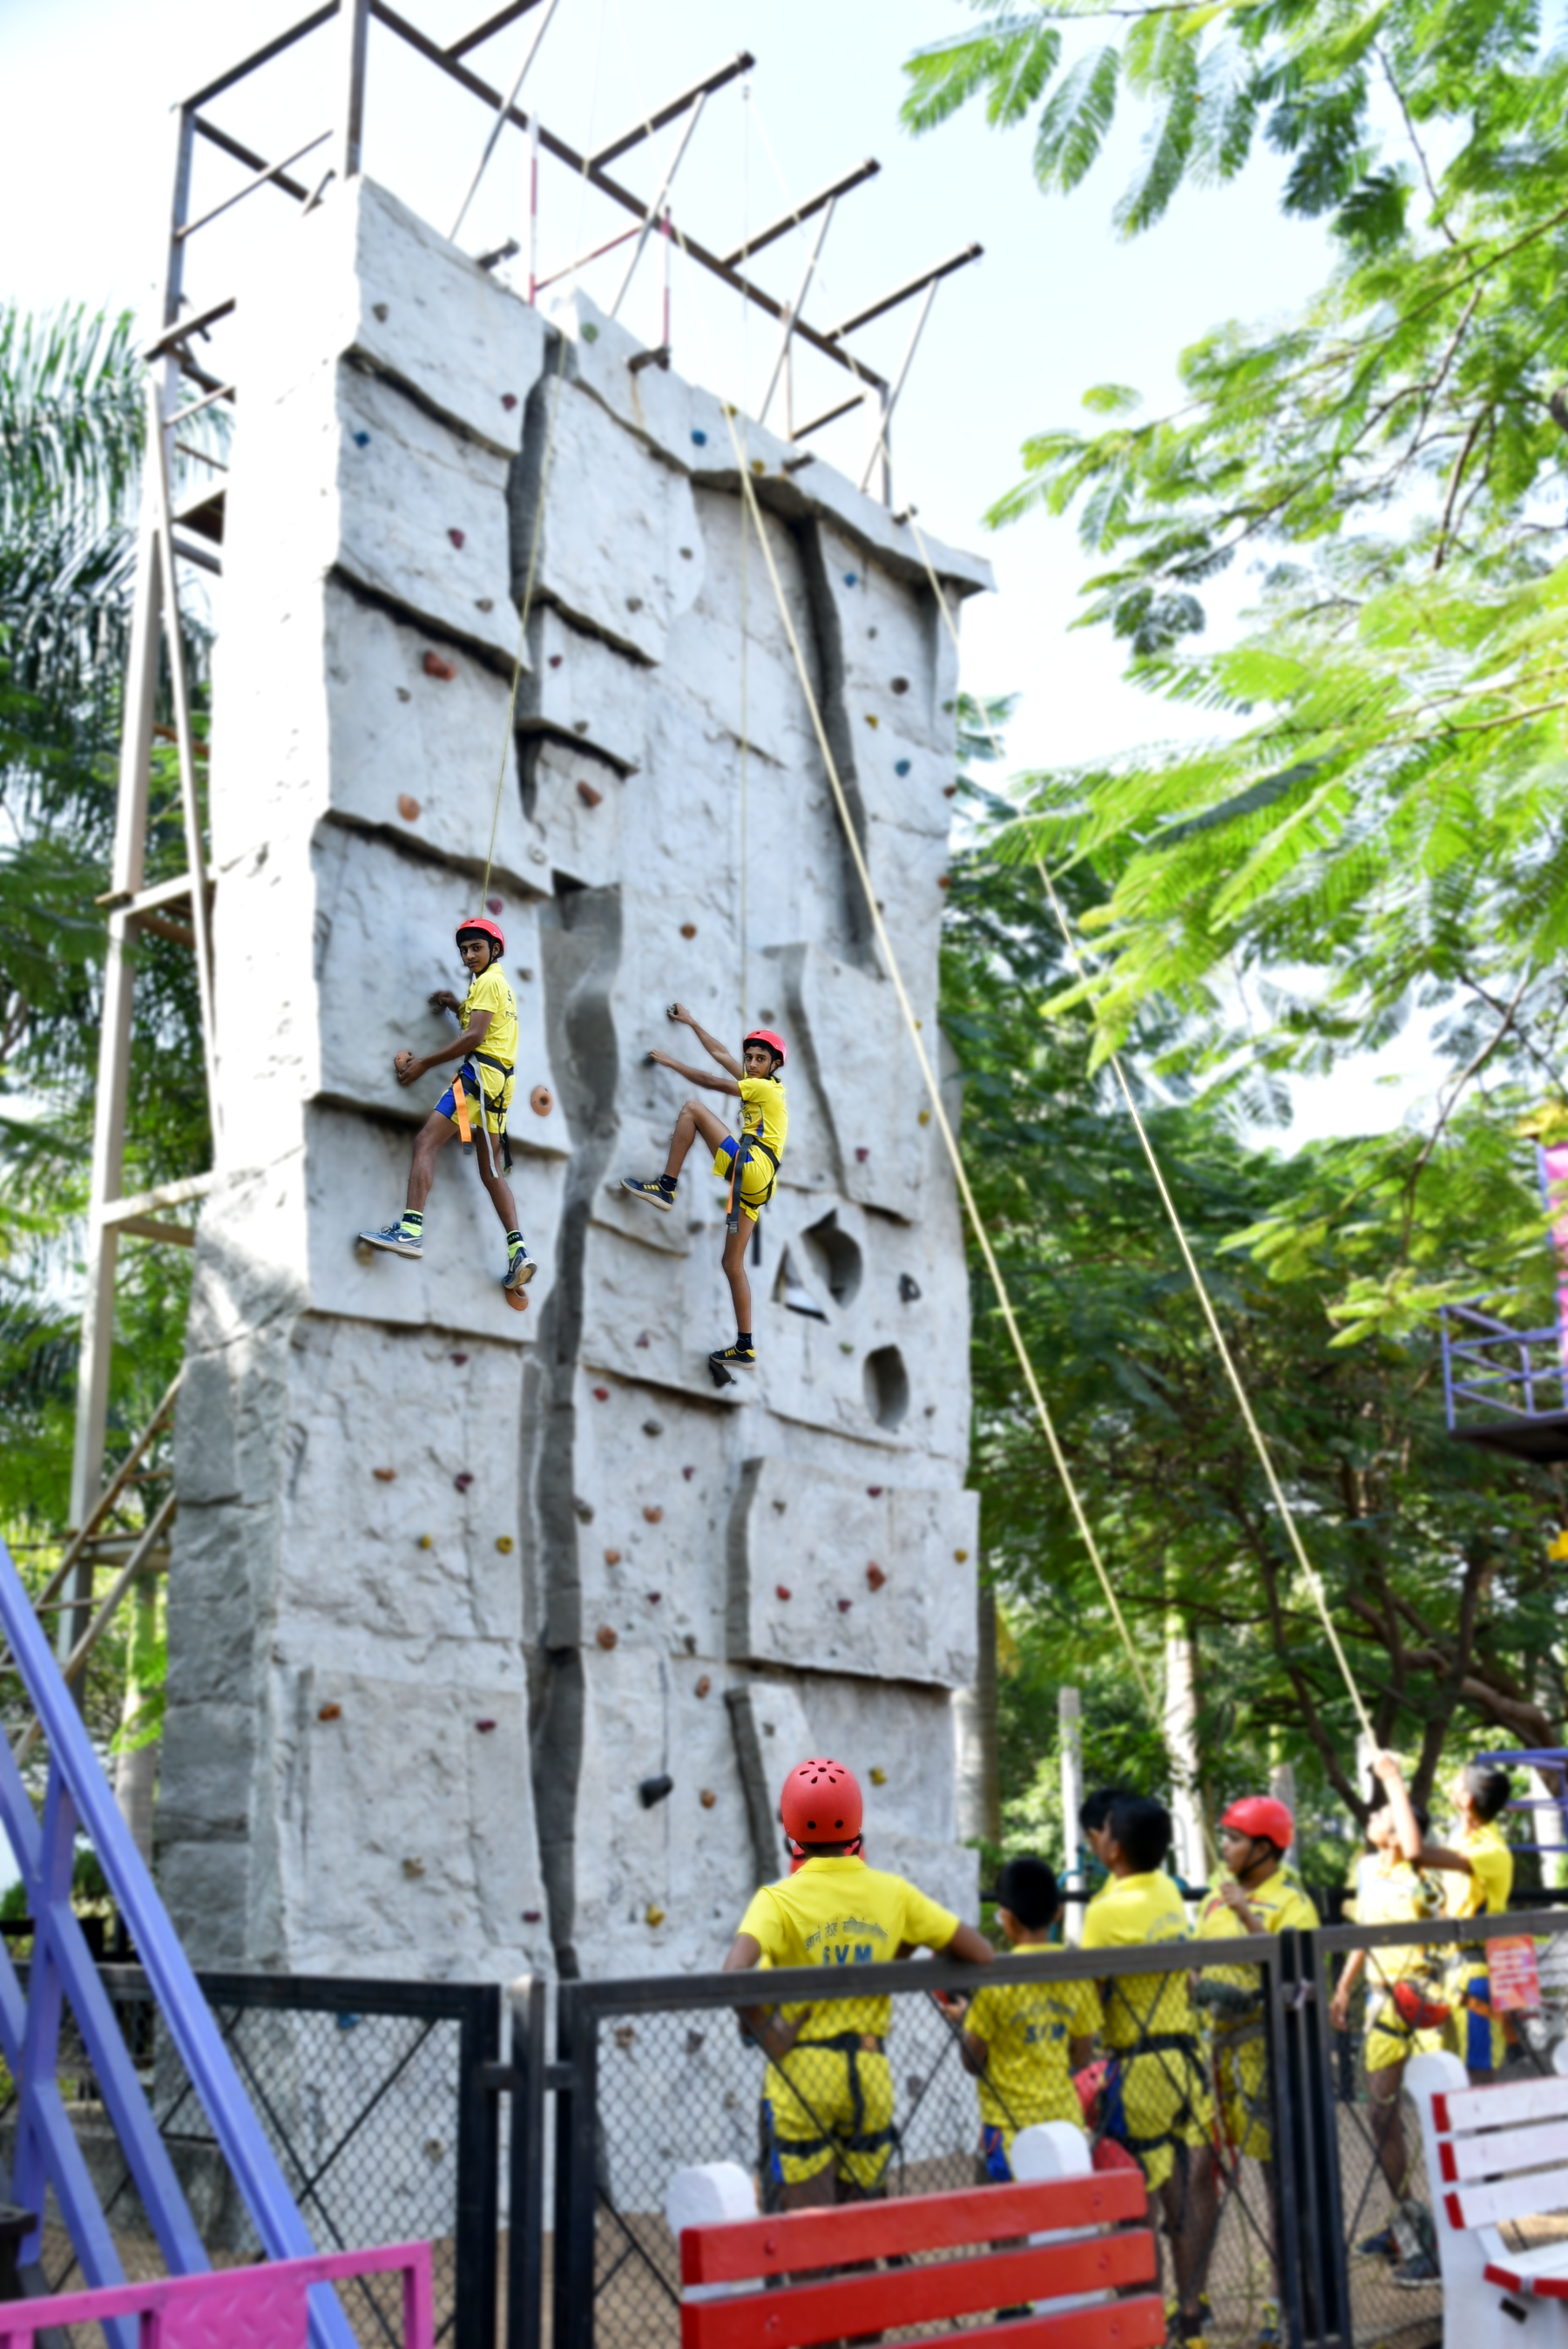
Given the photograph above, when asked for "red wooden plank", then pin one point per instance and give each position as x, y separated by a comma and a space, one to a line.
911, 2223
1124, 2324
832, 2307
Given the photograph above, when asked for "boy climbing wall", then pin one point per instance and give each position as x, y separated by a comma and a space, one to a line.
829, 2088
487, 1048
752, 1165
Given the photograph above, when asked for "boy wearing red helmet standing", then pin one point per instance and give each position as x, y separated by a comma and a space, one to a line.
1255, 1896
487, 1048
752, 1165
829, 2088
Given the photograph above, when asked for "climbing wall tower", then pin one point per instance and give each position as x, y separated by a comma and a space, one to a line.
454, 1587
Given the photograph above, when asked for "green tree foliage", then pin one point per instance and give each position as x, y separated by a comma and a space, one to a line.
1375, 833
1435, 1560
71, 429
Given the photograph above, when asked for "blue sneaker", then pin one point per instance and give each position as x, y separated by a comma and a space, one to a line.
521, 1269
653, 1192
1384, 2245
394, 1237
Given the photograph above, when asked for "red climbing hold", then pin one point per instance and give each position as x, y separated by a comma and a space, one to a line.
942, 881
483, 1725
845, 1605
533, 1916
645, 1340
556, 659
875, 1576
611, 1557
408, 807
780, 1591
330, 1713
456, 537
588, 795
508, 400
463, 1479
653, 1517
600, 1394
540, 1101
607, 1635
875, 1492
383, 1475
689, 1473
655, 1596
494, 905
459, 1359
436, 666
862, 1155
688, 929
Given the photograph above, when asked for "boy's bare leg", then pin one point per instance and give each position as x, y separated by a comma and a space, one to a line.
1388, 2126
693, 1119
495, 1182
1191, 2211
435, 1131
735, 1247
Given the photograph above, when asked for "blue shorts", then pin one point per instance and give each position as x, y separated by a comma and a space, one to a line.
993, 2154
1476, 2039
495, 1105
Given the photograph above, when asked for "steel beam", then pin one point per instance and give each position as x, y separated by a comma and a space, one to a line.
355, 36
671, 109
259, 179
270, 50
180, 329
496, 24
960, 260
228, 145
802, 213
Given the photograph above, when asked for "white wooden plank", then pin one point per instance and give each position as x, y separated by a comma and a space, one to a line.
1500, 2108
1501, 2154
1510, 2198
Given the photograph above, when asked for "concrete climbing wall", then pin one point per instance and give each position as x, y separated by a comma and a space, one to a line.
449, 1581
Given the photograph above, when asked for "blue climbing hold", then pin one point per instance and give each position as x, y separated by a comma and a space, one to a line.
849, 578
901, 767
361, 440
348, 2022
700, 438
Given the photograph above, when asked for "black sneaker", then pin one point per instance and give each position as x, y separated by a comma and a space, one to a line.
1383, 2245
1416, 2274
653, 1192
734, 1358
521, 1269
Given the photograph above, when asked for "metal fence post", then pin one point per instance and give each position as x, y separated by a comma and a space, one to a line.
525, 2240
1312, 2115
477, 2213
576, 2183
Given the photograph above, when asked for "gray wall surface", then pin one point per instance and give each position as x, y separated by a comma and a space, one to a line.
449, 1580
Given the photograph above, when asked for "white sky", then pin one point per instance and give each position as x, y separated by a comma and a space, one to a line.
1057, 303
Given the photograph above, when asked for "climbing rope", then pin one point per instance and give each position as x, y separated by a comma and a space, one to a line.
536, 534
745, 536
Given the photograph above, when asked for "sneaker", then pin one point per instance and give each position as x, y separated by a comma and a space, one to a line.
1383, 2245
734, 1358
393, 1236
1173, 2314
521, 1269
1416, 2274
653, 1192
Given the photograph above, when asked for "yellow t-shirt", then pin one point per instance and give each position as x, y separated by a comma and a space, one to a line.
1028, 2029
1131, 1912
1281, 1903
840, 1912
489, 992
1485, 1891
1391, 1892
765, 1114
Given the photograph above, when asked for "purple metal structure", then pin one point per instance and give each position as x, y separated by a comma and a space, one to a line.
1552, 1761
1519, 1377
78, 1798
242, 2308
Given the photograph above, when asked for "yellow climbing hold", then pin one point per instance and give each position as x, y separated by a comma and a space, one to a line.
879, 1777
505, 1544
962, 1555
427, 1541
924, 1118
654, 1915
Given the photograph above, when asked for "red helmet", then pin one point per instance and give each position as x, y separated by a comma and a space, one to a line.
1261, 1815
821, 1803
481, 927
766, 1036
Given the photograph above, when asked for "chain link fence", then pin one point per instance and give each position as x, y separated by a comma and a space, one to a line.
373, 2096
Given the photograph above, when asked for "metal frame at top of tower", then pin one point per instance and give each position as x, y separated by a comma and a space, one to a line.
191, 531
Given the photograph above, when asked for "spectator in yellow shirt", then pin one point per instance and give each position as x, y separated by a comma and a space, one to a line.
1157, 2100
829, 2087
1023, 2041
1477, 1870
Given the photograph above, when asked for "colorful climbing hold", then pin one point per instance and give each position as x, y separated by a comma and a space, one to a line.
845, 1347
700, 438
505, 1544
901, 766
436, 666
645, 1339
408, 807
861, 1153
850, 577
909, 1287
961, 1556
427, 1541
533, 1916
704, 1685
845, 1605
654, 1516
901, 684
590, 332
781, 1590
943, 882
495, 905
361, 440
456, 537
759, 464
463, 1479
483, 1726
606, 1636
611, 1557
689, 1473
653, 1427
413, 1868
655, 1596
508, 400
871, 718
329, 1713
654, 1913
688, 929
460, 1359
379, 310
556, 659
588, 795
385, 1475
948, 790
879, 1777
924, 1118
600, 1394
874, 1492
541, 1101
875, 1576
404, 694
654, 1790
707, 1798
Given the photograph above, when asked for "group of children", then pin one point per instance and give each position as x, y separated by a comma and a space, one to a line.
477, 1101
1168, 2070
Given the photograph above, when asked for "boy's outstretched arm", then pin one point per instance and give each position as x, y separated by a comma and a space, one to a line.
695, 1076
1405, 1821
710, 1044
